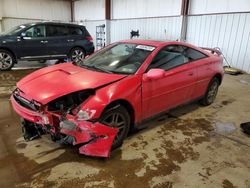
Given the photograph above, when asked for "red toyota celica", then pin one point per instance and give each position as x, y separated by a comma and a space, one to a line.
94, 103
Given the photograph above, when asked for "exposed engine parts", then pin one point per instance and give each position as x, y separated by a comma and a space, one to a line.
70, 101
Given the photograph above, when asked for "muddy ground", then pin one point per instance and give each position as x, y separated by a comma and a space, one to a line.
191, 146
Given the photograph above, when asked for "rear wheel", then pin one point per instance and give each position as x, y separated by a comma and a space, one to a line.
7, 60
211, 92
77, 55
117, 117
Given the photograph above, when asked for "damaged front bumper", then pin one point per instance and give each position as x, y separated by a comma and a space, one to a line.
94, 139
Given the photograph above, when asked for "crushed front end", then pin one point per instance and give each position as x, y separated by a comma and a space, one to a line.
65, 122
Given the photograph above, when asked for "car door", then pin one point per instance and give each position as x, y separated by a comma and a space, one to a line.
57, 40
33, 43
175, 88
204, 69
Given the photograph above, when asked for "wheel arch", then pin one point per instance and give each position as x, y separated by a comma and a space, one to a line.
127, 105
219, 77
9, 50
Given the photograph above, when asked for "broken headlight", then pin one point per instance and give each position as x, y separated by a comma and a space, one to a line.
85, 114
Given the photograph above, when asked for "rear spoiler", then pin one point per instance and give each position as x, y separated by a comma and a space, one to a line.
213, 50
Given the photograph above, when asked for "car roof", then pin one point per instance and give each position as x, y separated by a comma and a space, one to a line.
54, 23
156, 43
144, 42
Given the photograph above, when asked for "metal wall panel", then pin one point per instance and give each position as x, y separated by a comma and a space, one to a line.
8, 23
167, 28
230, 32
215, 6
1, 9
89, 10
144, 8
37, 9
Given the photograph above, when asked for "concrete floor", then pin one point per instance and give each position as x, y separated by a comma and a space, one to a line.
192, 146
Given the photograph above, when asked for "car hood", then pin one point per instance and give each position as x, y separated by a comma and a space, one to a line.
52, 82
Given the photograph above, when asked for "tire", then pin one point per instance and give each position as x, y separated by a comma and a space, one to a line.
211, 92
77, 55
111, 117
7, 60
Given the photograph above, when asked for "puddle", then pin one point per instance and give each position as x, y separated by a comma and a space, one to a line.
224, 128
226, 102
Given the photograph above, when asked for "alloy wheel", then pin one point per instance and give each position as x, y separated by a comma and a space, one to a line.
6, 61
77, 55
116, 120
212, 92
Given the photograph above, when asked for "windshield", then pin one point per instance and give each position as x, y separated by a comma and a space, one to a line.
122, 58
14, 30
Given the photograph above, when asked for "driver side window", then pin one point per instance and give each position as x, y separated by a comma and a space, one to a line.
169, 57
35, 31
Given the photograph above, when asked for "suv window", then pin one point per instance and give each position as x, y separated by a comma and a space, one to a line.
169, 57
75, 31
36, 31
56, 30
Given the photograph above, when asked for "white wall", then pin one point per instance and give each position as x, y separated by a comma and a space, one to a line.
16, 12
1, 9
164, 28
144, 8
37, 9
218, 6
89, 10
229, 32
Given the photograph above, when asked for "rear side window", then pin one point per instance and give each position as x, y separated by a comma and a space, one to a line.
56, 30
75, 31
36, 31
175, 55
194, 54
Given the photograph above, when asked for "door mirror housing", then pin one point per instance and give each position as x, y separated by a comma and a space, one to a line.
23, 34
154, 74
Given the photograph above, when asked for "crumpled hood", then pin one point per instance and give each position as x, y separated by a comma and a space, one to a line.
52, 82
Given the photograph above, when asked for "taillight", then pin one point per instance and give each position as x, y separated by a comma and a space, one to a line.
89, 38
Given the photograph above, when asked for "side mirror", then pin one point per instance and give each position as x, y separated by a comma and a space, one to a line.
23, 35
154, 74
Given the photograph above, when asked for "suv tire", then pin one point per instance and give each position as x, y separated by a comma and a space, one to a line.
7, 60
77, 54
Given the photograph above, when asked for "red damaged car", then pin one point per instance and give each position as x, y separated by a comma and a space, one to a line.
95, 102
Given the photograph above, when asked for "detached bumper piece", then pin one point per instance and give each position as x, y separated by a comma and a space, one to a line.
95, 138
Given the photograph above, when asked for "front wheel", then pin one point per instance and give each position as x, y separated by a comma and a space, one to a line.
117, 117
211, 92
77, 55
7, 60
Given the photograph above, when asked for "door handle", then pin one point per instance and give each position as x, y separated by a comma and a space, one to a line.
70, 40
190, 74
44, 41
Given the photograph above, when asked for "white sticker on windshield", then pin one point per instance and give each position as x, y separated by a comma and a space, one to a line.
144, 47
